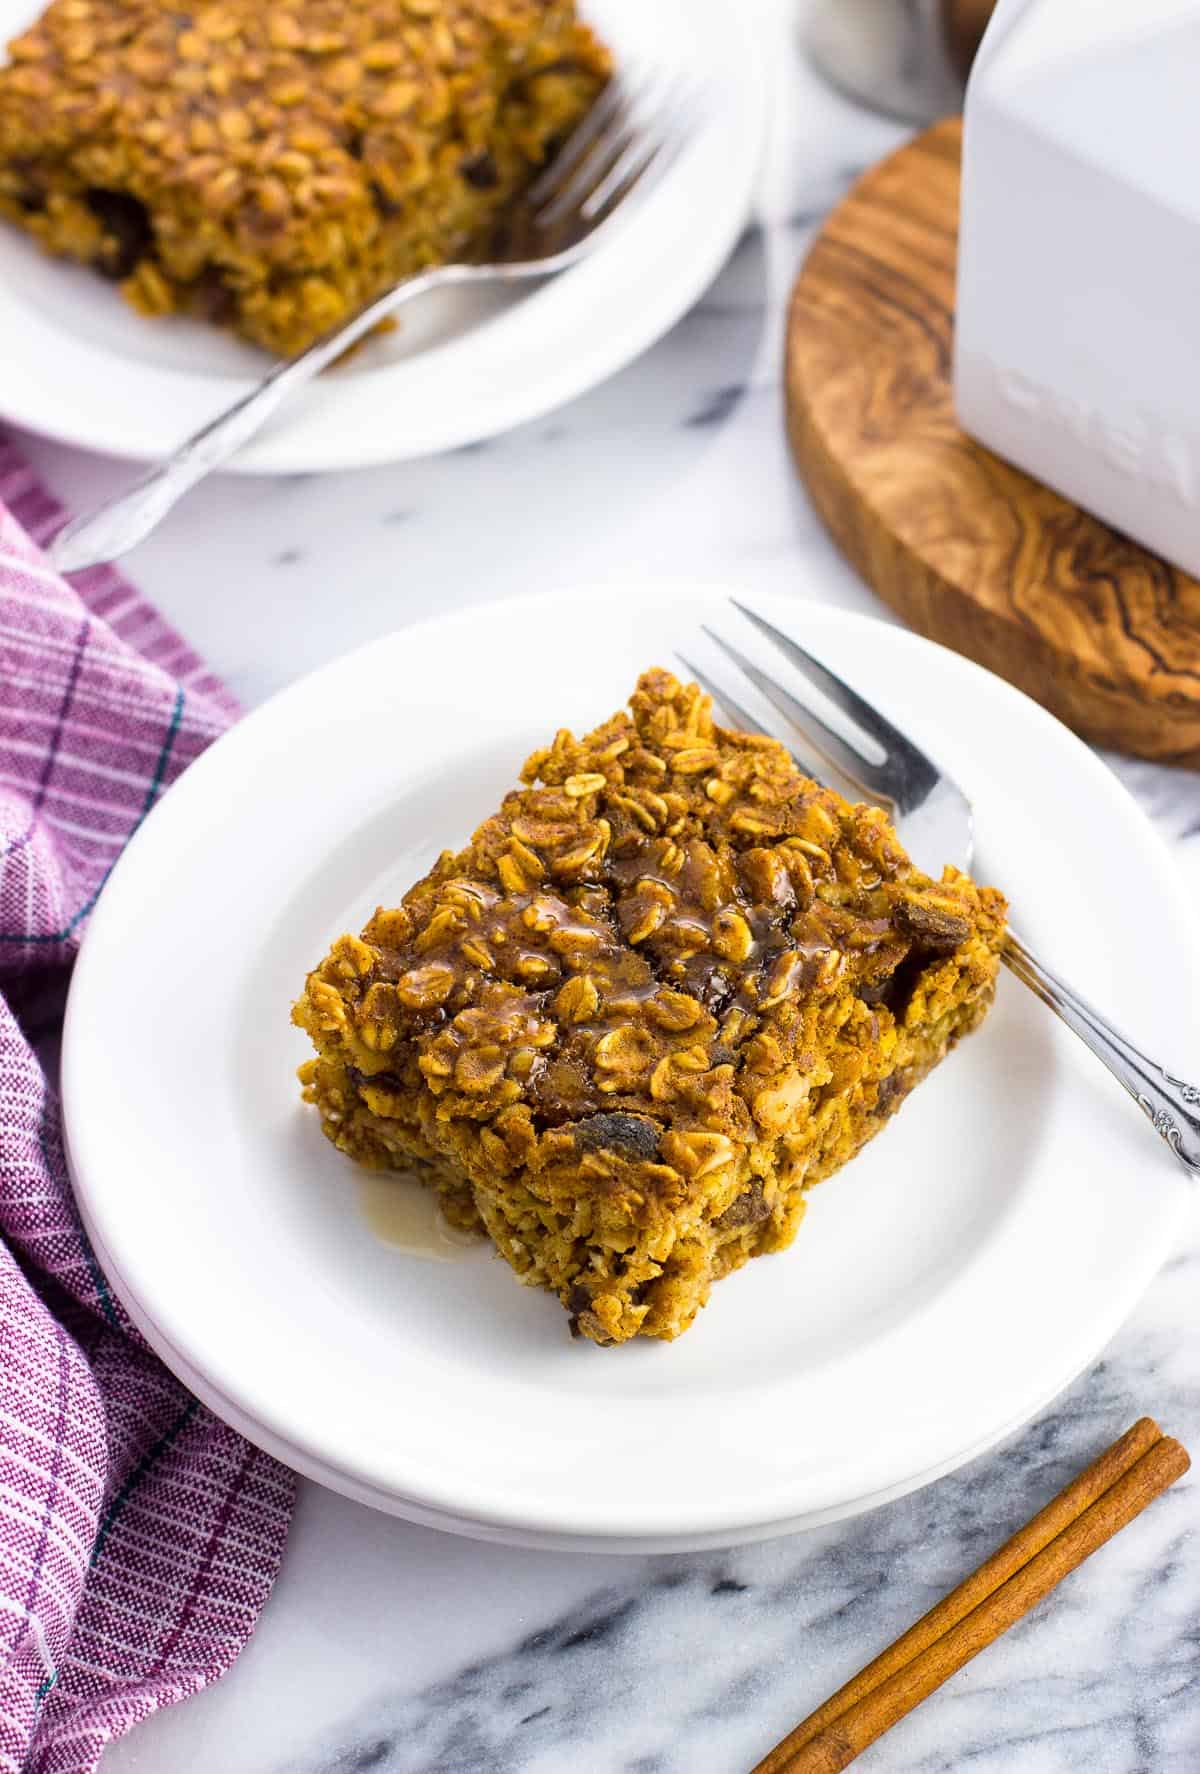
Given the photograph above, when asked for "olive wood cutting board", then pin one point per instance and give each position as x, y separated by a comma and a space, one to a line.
969, 551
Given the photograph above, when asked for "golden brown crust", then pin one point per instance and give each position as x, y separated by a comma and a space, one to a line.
670, 985
277, 165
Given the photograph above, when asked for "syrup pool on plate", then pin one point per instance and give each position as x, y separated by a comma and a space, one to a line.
404, 1213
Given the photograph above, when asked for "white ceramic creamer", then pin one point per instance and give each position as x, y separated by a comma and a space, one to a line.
1077, 352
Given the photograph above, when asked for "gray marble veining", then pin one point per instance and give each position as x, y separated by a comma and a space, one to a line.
700, 1663
394, 1649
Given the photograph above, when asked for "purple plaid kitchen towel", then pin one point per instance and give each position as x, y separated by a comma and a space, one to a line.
139, 1537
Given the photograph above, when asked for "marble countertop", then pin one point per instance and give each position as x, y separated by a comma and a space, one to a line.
396, 1650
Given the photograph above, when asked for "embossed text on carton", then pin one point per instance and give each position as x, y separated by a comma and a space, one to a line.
1136, 445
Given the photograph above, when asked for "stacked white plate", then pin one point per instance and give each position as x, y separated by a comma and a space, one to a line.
942, 1289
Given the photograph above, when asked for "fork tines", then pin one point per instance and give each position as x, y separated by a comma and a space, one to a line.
872, 755
633, 126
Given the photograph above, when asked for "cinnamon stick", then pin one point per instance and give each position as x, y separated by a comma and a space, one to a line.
1103, 1499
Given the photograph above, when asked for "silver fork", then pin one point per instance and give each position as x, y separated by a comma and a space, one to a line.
934, 817
628, 140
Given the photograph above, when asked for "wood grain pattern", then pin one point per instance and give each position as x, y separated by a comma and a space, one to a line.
963, 25
969, 550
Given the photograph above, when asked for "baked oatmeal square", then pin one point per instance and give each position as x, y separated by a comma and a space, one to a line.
668, 987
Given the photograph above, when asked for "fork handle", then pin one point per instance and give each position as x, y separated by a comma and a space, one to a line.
123, 521
1172, 1105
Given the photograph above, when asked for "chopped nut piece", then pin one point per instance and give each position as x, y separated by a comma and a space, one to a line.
748, 1210
937, 924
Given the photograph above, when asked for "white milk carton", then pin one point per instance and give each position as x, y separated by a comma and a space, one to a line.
1077, 352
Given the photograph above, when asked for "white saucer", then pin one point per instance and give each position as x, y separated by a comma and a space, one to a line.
942, 1289
463, 366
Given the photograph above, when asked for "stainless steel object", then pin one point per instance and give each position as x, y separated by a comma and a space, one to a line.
934, 818
893, 55
628, 139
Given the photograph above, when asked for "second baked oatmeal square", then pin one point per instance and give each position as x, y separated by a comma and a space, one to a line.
273, 167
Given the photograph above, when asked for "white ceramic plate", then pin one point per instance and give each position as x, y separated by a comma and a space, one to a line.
464, 365
941, 1290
